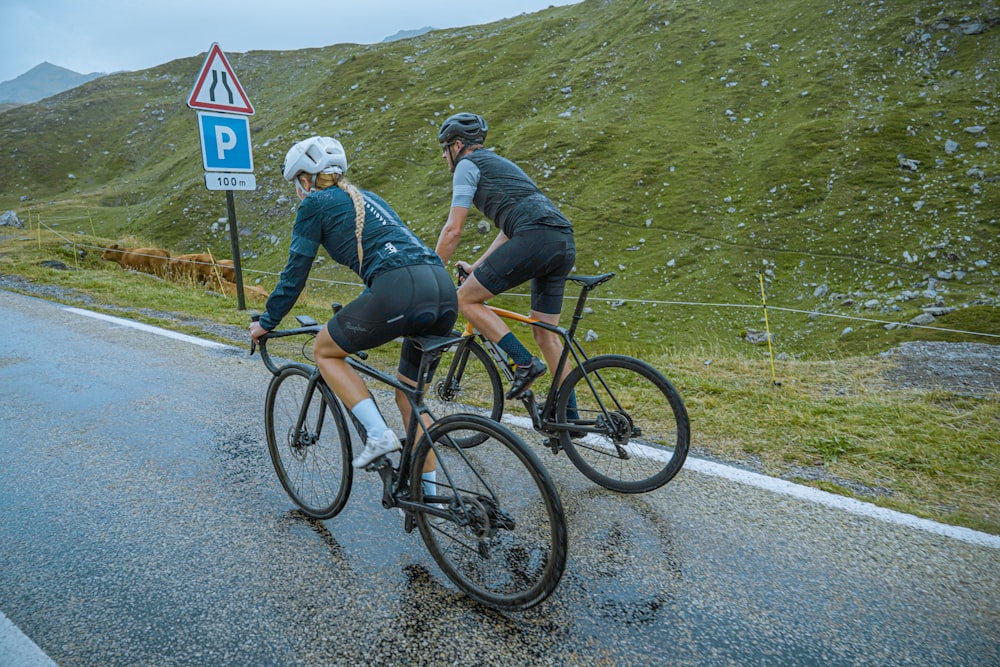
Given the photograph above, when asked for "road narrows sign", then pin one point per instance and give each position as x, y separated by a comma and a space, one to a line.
217, 88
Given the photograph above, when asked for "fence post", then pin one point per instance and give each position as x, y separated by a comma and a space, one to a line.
767, 329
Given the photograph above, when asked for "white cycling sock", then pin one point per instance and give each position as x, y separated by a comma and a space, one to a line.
367, 413
429, 479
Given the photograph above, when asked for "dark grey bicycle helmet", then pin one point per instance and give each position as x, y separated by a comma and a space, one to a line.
469, 127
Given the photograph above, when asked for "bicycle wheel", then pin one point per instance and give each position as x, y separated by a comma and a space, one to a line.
313, 456
505, 541
638, 426
467, 381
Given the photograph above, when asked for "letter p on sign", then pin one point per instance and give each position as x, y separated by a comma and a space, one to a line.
225, 142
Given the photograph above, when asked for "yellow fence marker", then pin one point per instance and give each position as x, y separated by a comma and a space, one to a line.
767, 329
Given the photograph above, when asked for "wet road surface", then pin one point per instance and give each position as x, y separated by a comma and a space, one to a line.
141, 524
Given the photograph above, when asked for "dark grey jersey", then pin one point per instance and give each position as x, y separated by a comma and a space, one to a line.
503, 193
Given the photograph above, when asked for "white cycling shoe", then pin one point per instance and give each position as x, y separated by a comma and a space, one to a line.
387, 443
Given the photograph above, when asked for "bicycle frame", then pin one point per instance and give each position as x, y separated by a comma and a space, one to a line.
396, 482
539, 418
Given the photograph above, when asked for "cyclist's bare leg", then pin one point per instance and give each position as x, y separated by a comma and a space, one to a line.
342, 379
549, 343
471, 296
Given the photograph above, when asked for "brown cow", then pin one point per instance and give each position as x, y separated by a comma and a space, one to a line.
228, 269
196, 267
147, 260
254, 292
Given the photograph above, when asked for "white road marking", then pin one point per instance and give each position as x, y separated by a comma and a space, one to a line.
810, 494
150, 329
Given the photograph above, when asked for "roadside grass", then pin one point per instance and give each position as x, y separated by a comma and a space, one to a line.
834, 424
837, 425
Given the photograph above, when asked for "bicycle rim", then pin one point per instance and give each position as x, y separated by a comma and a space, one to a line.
639, 426
505, 544
312, 460
466, 382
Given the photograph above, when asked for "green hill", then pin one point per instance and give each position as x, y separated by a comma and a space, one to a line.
844, 152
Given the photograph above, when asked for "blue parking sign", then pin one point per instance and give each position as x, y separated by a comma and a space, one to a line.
225, 142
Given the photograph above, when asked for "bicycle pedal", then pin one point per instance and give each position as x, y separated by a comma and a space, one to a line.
380, 463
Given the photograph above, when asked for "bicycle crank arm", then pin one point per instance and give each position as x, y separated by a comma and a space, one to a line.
383, 466
531, 405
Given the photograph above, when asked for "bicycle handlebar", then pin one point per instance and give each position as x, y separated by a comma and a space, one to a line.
311, 329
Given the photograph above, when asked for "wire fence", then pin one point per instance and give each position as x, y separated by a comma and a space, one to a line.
763, 305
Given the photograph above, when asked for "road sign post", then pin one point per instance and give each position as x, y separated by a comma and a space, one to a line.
224, 130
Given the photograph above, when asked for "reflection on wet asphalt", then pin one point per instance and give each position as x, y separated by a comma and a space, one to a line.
142, 524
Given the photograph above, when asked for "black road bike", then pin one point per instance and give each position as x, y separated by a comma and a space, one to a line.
494, 523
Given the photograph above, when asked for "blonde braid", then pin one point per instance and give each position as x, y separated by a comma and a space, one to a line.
359, 213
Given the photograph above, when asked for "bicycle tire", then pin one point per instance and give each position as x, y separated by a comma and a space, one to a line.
644, 443
314, 463
467, 382
505, 544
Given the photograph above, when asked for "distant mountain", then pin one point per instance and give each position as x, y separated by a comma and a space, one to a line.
40, 82
406, 34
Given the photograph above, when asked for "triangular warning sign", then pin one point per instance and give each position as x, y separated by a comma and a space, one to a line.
217, 88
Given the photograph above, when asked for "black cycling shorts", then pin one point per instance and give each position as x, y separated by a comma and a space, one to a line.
544, 254
408, 301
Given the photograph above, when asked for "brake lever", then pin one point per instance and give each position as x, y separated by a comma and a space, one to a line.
254, 317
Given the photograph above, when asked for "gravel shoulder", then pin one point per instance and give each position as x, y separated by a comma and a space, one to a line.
971, 369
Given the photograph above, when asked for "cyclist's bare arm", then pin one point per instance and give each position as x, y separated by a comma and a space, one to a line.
451, 233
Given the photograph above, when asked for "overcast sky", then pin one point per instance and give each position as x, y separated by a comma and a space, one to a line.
113, 35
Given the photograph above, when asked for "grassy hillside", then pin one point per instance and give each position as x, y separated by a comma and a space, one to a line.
844, 152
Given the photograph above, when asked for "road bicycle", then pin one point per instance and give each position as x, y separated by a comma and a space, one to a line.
494, 522
631, 432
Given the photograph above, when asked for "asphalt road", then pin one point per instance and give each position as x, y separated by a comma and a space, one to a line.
141, 524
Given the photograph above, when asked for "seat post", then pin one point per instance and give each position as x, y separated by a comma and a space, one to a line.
578, 311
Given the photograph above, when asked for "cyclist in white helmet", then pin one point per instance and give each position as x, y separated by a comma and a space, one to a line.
408, 291
534, 242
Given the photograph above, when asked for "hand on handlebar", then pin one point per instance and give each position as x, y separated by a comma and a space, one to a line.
464, 271
256, 331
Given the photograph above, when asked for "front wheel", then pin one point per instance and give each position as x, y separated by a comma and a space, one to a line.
308, 440
504, 539
637, 428
466, 381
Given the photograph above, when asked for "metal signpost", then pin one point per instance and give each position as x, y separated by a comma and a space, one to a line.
224, 130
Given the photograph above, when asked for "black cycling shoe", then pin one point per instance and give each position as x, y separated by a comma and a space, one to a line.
524, 376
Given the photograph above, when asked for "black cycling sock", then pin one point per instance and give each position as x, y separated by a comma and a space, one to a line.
515, 350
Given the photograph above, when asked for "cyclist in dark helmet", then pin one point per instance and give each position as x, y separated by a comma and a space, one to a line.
534, 242
408, 291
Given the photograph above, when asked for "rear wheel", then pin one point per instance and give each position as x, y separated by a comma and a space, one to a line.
467, 381
504, 542
637, 426
310, 451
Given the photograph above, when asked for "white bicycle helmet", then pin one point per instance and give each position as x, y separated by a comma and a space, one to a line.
314, 155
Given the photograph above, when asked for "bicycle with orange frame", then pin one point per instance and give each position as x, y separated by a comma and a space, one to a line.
628, 430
